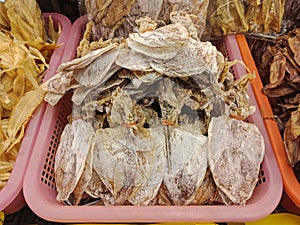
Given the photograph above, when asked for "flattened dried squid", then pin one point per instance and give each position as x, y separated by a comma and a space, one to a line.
234, 162
77, 140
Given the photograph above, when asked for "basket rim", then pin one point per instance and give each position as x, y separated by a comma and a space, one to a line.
290, 183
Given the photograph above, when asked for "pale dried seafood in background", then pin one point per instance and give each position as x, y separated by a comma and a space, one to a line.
265, 16
118, 18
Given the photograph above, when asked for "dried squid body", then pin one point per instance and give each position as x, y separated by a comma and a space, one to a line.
162, 43
187, 163
172, 47
132, 164
235, 152
77, 140
82, 73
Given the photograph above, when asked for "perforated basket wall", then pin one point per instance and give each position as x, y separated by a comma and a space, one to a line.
39, 182
11, 196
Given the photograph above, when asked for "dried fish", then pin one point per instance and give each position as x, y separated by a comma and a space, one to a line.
294, 41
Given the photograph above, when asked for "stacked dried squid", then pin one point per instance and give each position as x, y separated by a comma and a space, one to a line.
148, 114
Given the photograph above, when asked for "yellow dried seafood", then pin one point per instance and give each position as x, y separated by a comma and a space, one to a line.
241, 16
265, 15
226, 17
24, 54
4, 21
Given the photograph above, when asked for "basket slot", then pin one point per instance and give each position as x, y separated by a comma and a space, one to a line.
65, 109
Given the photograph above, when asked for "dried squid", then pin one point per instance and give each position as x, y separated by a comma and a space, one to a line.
132, 165
77, 140
186, 163
234, 162
155, 103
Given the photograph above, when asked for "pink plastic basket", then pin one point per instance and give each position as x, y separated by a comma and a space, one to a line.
39, 183
11, 196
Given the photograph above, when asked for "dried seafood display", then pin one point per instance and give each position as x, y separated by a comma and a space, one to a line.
152, 107
118, 18
25, 50
279, 66
240, 16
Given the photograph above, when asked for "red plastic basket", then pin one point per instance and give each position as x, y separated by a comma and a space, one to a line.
11, 196
290, 183
39, 183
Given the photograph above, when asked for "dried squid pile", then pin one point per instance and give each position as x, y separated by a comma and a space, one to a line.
25, 51
279, 67
148, 115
